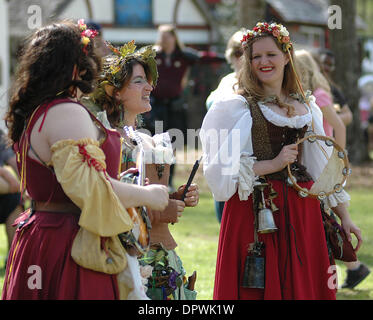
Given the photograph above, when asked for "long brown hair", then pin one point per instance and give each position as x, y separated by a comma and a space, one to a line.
103, 100
250, 86
45, 71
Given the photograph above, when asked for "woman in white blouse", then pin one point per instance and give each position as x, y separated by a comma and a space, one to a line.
252, 134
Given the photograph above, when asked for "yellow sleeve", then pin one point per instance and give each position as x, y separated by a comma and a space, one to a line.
80, 169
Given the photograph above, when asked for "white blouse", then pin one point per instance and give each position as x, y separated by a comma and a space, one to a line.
228, 152
157, 149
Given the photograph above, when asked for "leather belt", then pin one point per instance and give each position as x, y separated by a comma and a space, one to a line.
55, 207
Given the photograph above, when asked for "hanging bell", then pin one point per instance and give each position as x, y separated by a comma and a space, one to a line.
254, 272
273, 206
266, 223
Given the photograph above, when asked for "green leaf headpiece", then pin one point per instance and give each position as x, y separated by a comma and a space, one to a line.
114, 66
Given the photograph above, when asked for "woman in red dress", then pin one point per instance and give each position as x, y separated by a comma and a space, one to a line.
249, 136
66, 246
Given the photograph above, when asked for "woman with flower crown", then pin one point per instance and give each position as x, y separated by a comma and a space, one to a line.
123, 94
248, 139
67, 246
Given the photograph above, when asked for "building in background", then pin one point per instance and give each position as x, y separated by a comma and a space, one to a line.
125, 20
306, 20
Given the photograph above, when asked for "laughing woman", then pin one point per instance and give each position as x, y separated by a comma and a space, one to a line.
66, 246
266, 121
123, 93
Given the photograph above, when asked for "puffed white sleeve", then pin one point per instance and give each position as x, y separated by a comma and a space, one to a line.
227, 148
314, 157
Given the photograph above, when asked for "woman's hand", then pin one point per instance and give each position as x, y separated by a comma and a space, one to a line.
192, 196
287, 155
180, 209
347, 224
130, 170
134, 170
349, 227
156, 196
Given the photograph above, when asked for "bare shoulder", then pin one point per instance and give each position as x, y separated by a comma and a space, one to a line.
69, 121
68, 110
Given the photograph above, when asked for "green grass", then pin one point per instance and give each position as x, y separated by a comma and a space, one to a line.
197, 234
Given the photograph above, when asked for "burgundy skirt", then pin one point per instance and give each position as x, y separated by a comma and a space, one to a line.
296, 258
40, 264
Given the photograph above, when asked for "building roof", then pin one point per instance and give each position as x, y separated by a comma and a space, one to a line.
313, 12
306, 11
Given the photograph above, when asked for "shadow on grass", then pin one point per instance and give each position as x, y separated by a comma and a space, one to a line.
354, 294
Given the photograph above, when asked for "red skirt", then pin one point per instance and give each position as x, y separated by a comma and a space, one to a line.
296, 258
40, 264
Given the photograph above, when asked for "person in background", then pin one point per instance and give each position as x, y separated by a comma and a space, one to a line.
227, 85
326, 61
10, 199
356, 271
313, 80
101, 48
168, 102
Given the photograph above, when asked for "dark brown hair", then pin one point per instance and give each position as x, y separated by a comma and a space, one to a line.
109, 103
45, 71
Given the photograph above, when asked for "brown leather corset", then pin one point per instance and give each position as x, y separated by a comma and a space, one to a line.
268, 141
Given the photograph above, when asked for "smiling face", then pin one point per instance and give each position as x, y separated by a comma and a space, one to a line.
135, 95
268, 62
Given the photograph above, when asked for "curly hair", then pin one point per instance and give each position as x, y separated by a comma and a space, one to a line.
114, 108
45, 69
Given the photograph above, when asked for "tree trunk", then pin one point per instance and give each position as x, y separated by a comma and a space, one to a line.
89, 9
250, 12
344, 44
175, 12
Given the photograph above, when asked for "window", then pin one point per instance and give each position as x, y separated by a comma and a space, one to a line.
133, 13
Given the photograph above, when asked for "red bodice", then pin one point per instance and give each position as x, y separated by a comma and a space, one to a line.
41, 182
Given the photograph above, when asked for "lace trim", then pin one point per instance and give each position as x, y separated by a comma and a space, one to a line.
297, 122
246, 176
337, 198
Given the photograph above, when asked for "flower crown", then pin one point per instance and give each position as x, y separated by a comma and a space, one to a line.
114, 65
278, 31
86, 34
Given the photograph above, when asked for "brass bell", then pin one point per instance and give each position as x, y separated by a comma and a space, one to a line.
266, 223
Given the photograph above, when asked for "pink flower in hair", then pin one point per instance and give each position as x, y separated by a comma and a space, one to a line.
82, 25
276, 33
